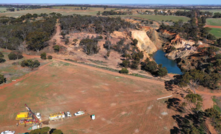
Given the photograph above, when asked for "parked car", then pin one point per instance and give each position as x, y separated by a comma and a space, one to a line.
79, 113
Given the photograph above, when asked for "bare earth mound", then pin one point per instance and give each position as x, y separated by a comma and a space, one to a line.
121, 105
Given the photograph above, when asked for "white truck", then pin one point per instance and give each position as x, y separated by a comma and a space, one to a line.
8, 132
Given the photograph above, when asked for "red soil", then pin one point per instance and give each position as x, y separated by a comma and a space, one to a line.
211, 26
121, 103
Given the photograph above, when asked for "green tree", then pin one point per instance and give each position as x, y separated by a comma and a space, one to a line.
63, 34
36, 40
135, 41
30, 63
218, 56
43, 56
14, 56
1, 55
56, 48
49, 57
2, 79
2, 60
151, 66
124, 71
162, 71
125, 63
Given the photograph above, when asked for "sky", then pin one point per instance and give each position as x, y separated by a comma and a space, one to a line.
179, 2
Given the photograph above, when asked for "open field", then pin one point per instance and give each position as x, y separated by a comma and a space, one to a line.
48, 10
12, 69
214, 10
158, 17
121, 104
216, 32
2, 9
213, 21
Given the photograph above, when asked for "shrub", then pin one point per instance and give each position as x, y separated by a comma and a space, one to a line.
162, 71
124, 71
2, 79
30, 63
218, 56
15, 55
49, 57
43, 56
2, 60
56, 48
1, 55
126, 63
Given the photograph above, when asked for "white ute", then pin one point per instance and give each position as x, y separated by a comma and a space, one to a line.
79, 113
8, 132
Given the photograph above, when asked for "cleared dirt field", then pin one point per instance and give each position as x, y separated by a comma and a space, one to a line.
121, 104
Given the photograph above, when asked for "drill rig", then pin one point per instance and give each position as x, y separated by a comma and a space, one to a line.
29, 117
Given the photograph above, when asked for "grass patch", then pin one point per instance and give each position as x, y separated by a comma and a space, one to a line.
213, 11
213, 21
216, 106
216, 32
158, 17
98, 62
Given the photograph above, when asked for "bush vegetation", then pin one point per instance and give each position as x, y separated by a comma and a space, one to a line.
2, 79
43, 56
30, 63
15, 55
124, 71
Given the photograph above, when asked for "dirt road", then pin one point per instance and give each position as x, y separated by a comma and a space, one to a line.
211, 26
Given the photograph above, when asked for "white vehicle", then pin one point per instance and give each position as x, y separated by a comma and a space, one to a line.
8, 132
79, 113
68, 114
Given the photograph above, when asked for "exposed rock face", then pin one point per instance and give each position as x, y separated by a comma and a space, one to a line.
144, 43
178, 54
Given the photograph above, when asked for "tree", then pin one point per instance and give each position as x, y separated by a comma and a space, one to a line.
218, 56
30, 63
56, 48
36, 40
135, 41
125, 63
66, 41
43, 56
2, 60
63, 34
162, 71
124, 71
49, 57
151, 66
14, 56
1, 55
2, 79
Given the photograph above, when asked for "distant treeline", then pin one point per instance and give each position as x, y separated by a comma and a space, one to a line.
14, 32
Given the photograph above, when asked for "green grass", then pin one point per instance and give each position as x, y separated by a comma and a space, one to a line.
216, 106
216, 32
2, 9
214, 21
158, 17
213, 11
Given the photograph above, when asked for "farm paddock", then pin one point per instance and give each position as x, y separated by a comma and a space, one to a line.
121, 104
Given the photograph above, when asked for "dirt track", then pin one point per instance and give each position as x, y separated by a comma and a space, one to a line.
211, 26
